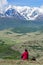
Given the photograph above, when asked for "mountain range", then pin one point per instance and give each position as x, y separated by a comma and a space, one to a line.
22, 12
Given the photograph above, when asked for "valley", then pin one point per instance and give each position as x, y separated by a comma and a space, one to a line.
16, 36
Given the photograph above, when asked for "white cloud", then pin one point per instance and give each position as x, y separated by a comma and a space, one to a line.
41, 9
3, 3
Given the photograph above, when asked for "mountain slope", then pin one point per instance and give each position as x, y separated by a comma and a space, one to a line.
13, 13
24, 13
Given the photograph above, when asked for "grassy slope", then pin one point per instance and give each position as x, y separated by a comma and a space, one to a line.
13, 43
20, 62
5, 48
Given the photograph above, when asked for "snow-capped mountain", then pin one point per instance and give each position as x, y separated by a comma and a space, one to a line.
25, 12
11, 12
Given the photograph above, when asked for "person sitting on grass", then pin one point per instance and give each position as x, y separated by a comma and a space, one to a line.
24, 55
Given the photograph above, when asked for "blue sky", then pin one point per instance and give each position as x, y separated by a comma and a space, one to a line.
26, 2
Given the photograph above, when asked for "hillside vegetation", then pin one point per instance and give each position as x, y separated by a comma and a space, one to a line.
13, 41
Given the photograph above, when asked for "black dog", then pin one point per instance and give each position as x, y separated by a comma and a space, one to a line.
33, 59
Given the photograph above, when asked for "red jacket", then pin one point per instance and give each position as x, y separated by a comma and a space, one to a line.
24, 56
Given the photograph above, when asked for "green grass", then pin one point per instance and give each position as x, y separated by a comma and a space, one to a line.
19, 62
7, 53
5, 49
13, 44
